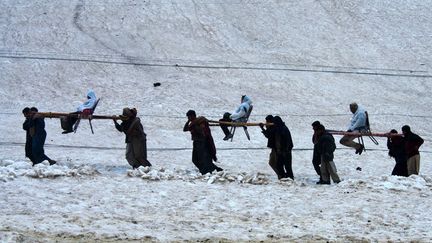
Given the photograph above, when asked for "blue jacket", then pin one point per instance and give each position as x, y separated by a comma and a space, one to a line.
241, 111
358, 121
89, 103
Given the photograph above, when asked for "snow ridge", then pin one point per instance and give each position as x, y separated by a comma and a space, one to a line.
10, 170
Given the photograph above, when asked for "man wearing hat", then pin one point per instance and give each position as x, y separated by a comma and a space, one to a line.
204, 149
136, 141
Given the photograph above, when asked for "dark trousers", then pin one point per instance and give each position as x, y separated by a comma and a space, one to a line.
68, 122
225, 129
316, 161
273, 162
38, 151
28, 148
284, 165
202, 158
136, 153
400, 168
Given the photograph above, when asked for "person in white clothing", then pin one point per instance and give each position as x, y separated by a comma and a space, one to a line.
239, 114
67, 122
89, 104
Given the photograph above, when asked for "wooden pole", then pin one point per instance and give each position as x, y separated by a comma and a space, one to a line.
60, 114
55, 114
237, 124
358, 134
108, 117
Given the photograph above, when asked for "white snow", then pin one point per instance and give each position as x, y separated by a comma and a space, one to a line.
302, 60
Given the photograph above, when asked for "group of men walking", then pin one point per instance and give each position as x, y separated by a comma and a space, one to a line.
136, 142
404, 149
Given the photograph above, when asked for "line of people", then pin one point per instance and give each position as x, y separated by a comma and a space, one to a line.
404, 149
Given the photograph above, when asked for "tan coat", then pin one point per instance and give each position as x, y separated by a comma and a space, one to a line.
136, 148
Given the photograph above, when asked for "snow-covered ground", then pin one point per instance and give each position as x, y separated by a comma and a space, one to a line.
302, 60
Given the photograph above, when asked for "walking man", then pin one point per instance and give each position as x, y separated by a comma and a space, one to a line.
136, 139
269, 134
283, 148
38, 137
204, 149
396, 147
26, 127
412, 145
316, 159
325, 148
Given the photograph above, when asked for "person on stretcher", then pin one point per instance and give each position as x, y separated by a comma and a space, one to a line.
85, 109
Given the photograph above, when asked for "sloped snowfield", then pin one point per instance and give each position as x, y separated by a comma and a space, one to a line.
304, 61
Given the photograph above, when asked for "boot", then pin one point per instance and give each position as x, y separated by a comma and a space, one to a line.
228, 137
360, 149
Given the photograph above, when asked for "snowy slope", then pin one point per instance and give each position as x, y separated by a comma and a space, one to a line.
302, 60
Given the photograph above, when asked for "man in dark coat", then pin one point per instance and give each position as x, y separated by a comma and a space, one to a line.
412, 145
269, 134
283, 148
26, 127
38, 134
136, 139
204, 149
396, 147
325, 148
316, 160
